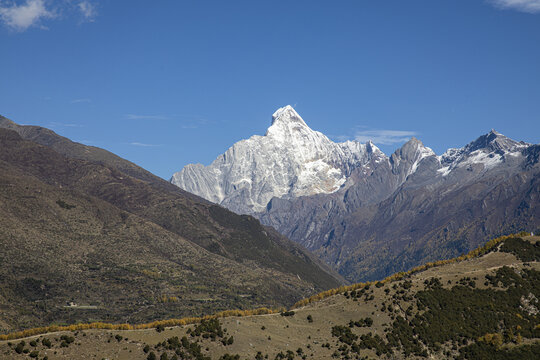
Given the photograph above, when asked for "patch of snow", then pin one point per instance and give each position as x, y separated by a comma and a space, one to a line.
422, 152
489, 160
444, 171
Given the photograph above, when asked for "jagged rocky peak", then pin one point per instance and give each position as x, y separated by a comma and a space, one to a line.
286, 123
291, 160
286, 115
488, 150
492, 145
495, 141
415, 150
410, 155
288, 127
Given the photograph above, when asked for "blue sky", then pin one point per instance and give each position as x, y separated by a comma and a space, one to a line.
168, 83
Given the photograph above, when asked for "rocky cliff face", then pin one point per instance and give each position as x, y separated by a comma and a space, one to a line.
290, 161
368, 214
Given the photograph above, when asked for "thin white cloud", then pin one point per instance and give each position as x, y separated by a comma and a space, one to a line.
145, 117
88, 10
78, 101
142, 144
384, 137
21, 17
529, 6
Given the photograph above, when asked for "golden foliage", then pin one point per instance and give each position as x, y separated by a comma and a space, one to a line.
107, 326
495, 339
168, 299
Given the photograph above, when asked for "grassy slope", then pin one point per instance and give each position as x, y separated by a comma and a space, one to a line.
217, 230
288, 333
74, 230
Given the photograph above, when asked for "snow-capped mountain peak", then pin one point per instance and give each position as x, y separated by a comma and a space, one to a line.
291, 160
406, 160
488, 150
287, 114
287, 125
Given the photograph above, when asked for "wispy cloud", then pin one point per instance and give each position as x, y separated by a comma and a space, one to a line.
529, 6
384, 137
144, 145
193, 122
88, 10
21, 17
146, 117
78, 101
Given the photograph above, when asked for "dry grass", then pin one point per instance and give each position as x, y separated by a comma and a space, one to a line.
273, 333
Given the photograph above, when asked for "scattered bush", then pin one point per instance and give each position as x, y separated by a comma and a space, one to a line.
287, 313
64, 205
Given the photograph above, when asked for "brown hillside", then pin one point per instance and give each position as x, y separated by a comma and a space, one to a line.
481, 307
77, 231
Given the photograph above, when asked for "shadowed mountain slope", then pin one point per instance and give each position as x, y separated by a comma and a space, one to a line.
128, 249
383, 224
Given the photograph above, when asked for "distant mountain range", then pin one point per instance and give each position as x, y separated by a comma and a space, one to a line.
367, 214
87, 235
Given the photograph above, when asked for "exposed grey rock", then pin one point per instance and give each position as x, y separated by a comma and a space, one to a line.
290, 161
367, 214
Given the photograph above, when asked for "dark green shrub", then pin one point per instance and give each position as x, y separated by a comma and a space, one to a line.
522, 249
287, 313
64, 205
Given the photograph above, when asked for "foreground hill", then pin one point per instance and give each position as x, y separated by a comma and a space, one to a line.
75, 228
483, 306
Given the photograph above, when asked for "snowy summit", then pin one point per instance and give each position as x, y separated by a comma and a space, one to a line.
290, 160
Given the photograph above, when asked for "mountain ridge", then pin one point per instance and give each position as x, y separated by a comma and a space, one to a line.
340, 226
298, 156
96, 230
